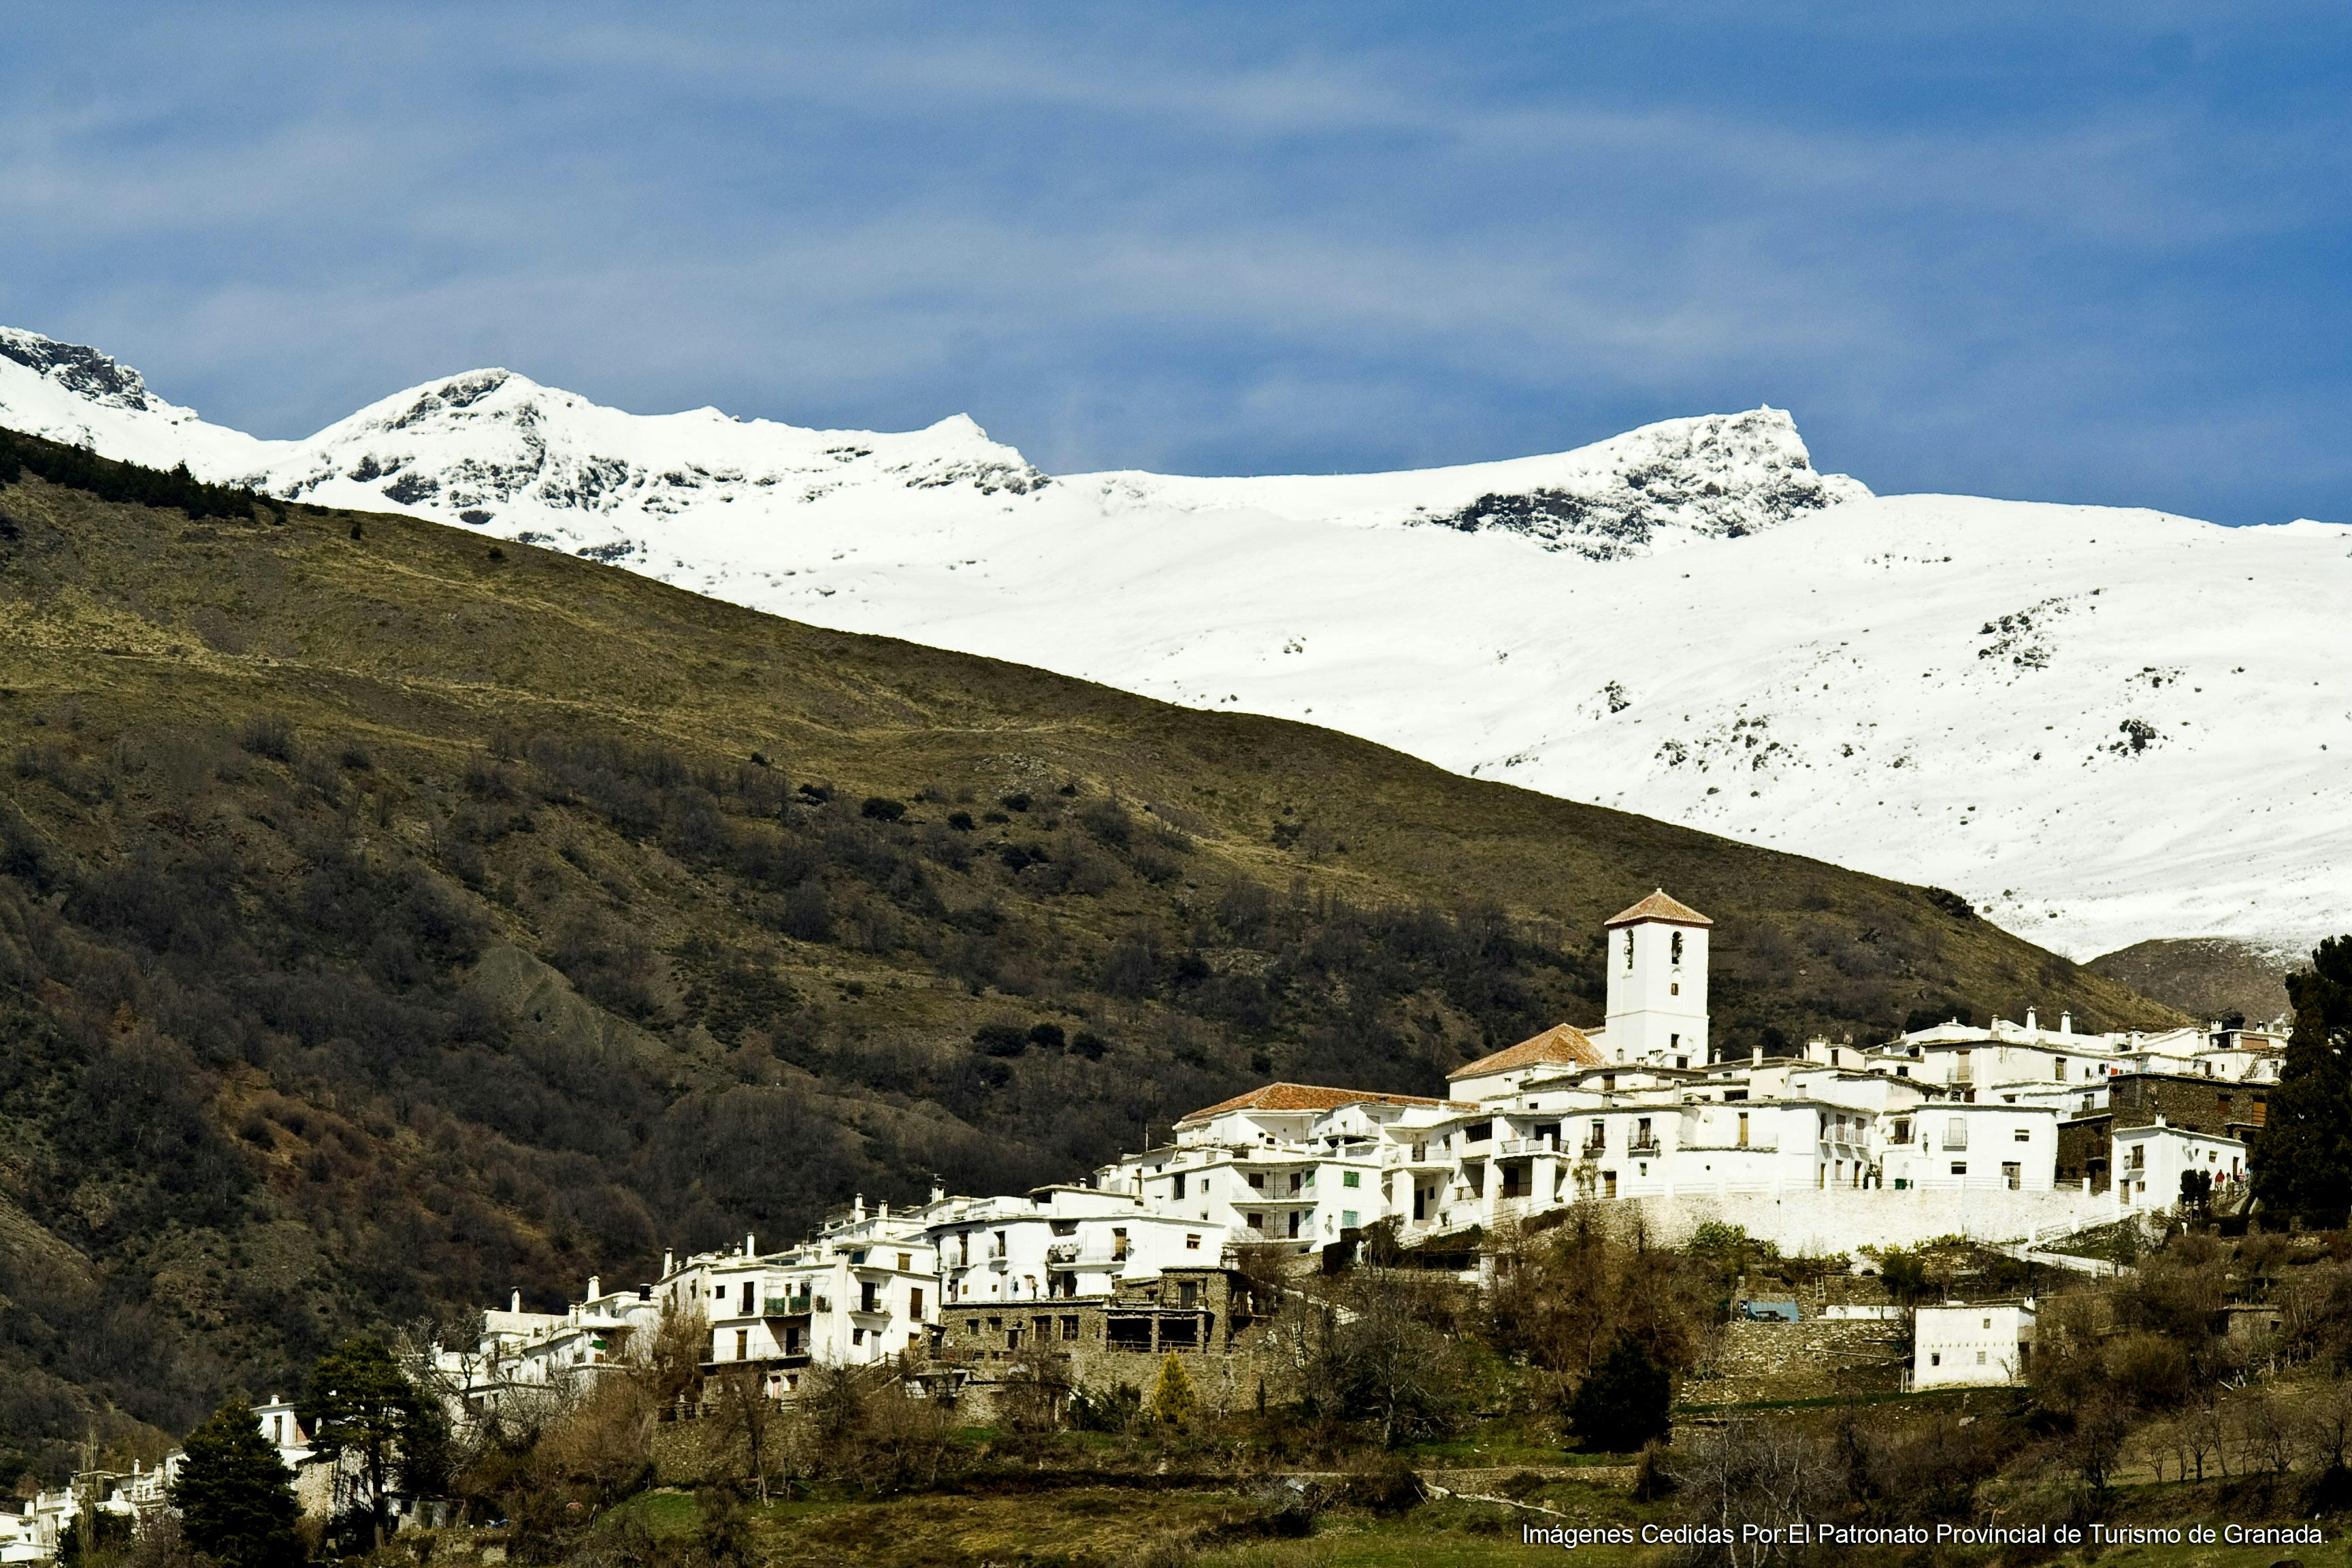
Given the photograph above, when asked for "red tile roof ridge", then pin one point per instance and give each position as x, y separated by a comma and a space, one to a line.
1287, 1096
1659, 906
1560, 1043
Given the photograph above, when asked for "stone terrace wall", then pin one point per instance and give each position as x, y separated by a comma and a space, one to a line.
1810, 1359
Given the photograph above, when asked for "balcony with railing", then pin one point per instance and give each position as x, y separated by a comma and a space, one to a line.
1594, 1147
1643, 1144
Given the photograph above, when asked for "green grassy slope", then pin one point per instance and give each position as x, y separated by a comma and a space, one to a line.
388, 919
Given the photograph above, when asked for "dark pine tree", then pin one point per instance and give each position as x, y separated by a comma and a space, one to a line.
362, 1408
1627, 1401
235, 1496
2302, 1157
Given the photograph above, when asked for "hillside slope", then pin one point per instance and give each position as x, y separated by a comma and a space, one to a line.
389, 919
2101, 726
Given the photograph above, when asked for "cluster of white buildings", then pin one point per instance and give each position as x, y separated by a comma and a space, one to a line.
36, 1529
872, 1286
1642, 1109
2000, 1132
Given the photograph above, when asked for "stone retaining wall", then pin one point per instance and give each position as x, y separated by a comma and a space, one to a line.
1811, 1360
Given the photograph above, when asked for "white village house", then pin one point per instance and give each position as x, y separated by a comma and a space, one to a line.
1972, 1345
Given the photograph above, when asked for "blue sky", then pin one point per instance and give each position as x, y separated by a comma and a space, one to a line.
2088, 253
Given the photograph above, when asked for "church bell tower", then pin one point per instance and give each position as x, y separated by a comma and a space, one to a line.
1657, 984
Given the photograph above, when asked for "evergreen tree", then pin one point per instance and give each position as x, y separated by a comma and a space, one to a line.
1627, 1400
2302, 1157
1172, 1400
235, 1495
363, 1409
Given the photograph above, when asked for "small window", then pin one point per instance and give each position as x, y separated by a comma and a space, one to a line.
1959, 1167
1191, 1241
2026, 1134
1981, 1361
1352, 1179
1935, 1358
1346, 1219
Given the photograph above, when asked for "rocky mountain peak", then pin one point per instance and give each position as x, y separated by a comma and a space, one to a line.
80, 370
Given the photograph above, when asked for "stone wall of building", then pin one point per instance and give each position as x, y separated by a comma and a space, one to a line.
2228, 1109
1206, 1317
2085, 1149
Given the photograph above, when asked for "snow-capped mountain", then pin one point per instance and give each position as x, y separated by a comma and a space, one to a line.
2102, 725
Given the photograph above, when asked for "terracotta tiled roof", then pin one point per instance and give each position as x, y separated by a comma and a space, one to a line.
1658, 906
1561, 1044
1305, 1097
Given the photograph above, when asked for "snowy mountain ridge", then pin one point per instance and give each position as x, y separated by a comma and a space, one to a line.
2101, 725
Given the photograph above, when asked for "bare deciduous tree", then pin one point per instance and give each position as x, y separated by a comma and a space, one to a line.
748, 1416
1746, 1473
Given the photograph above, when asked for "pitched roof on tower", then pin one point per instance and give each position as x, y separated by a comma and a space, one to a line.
1306, 1097
1658, 906
1562, 1044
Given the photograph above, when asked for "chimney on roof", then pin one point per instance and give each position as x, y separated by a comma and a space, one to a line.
2067, 1023
857, 1207
670, 1263
751, 1244
939, 1192
514, 1303
2030, 1027
595, 1286
1756, 1055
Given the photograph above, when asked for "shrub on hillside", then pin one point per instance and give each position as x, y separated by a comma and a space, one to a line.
1001, 1040
1627, 1402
